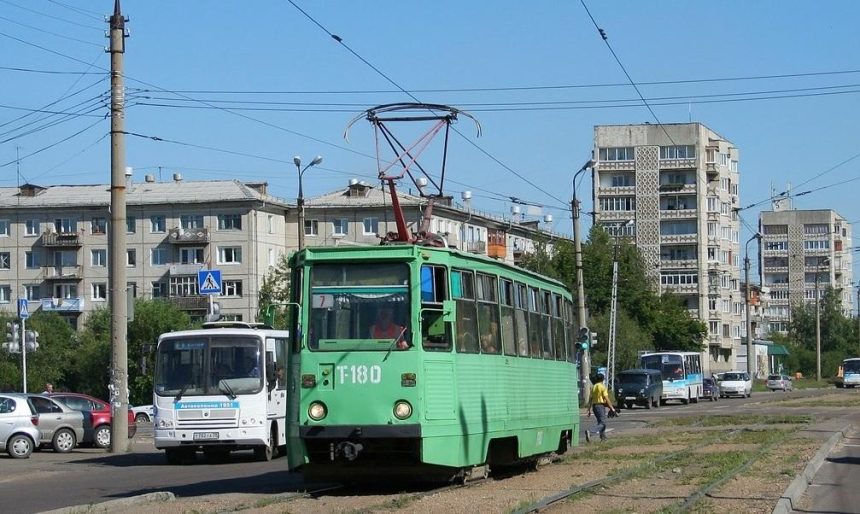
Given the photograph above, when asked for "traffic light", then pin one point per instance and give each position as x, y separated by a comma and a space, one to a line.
31, 340
13, 340
582, 340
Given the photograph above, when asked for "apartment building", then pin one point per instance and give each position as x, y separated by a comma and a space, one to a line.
54, 239
673, 188
803, 251
54, 244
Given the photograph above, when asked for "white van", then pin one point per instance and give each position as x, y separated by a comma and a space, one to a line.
735, 383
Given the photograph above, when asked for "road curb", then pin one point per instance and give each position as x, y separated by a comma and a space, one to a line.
795, 490
118, 504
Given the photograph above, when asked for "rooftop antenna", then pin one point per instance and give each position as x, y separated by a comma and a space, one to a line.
439, 117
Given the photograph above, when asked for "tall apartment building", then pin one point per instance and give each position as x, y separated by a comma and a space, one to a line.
801, 250
674, 189
54, 244
54, 240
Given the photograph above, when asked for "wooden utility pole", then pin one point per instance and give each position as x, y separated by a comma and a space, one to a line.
118, 386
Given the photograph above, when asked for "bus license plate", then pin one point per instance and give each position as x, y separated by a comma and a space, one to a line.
205, 436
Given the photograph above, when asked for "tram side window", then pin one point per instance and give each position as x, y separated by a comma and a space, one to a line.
488, 314
434, 284
521, 316
558, 327
435, 331
463, 291
506, 298
569, 331
535, 332
546, 325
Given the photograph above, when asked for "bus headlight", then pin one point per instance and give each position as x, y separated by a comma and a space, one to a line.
402, 409
165, 423
317, 411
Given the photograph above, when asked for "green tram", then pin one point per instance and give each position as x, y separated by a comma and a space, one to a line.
426, 362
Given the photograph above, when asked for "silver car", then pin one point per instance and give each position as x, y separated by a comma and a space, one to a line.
781, 382
59, 426
18, 422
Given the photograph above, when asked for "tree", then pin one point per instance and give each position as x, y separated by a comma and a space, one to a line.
674, 328
838, 335
275, 290
49, 362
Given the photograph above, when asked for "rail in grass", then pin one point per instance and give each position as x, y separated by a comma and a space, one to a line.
412, 358
681, 372
219, 389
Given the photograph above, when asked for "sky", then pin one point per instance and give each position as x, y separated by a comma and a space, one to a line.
234, 90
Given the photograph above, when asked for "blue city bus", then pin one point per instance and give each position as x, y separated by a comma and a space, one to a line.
681, 372
850, 376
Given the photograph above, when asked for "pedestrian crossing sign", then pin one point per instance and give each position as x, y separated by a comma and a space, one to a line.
209, 281
23, 308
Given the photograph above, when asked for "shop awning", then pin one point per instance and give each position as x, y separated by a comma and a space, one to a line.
777, 349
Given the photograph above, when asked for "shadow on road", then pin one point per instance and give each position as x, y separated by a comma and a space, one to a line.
273, 482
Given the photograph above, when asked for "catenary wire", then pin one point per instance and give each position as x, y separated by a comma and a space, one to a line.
40, 150
55, 34
50, 16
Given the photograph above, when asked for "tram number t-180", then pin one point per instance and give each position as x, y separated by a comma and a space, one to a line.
359, 374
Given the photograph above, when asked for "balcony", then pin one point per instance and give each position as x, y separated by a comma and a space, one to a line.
681, 288
675, 214
189, 303
476, 247
62, 304
712, 171
679, 238
195, 236
497, 251
61, 240
679, 263
677, 164
616, 190
185, 269
605, 166
72, 272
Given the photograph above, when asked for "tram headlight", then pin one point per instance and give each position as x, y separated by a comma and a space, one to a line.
402, 409
317, 411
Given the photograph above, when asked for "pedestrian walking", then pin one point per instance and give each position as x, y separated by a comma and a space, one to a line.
599, 404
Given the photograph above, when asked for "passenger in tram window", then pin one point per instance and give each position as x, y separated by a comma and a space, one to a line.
490, 340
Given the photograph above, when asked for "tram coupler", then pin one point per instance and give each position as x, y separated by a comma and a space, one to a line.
346, 450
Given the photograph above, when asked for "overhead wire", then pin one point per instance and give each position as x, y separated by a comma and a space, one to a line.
84, 12
40, 150
55, 34
50, 16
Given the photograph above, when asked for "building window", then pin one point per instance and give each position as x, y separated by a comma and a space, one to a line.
271, 224
158, 256
271, 256
159, 290
98, 226
5, 294
191, 221
191, 256
33, 292
232, 288
130, 225
98, 258
131, 257
624, 153
229, 222
65, 226
131, 286
770, 230
776, 245
817, 228
4, 228
230, 255
816, 245
311, 227
65, 291
185, 285
618, 203
32, 227
340, 227
99, 291
371, 226
5, 260
623, 180
157, 224
677, 152
677, 228
676, 278
31, 260
620, 228
712, 253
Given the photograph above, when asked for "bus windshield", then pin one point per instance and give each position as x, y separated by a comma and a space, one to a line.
359, 306
198, 366
851, 366
671, 367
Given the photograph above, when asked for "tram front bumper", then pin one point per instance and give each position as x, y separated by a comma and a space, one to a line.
411, 431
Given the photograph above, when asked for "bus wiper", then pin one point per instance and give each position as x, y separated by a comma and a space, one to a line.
393, 344
181, 392
229, 390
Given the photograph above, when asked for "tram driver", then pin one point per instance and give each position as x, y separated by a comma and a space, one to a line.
386, 328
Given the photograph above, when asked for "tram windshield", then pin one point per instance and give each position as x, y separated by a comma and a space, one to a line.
359, 306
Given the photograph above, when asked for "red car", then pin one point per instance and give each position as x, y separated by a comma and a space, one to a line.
97, 417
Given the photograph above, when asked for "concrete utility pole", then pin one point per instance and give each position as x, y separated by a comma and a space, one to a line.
823, 262
858, 316
118, 386
748, 297
585, 361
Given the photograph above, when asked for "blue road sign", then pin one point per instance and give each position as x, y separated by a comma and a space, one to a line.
23, 308
209, 281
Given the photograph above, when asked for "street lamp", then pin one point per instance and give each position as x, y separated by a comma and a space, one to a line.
750, 367
585, 361
823, 262
300, 201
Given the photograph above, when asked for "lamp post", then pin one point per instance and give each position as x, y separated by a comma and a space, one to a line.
585, 361
823, 262
750, 367
300, 200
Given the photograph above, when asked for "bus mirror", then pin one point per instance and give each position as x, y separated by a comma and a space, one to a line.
448, 310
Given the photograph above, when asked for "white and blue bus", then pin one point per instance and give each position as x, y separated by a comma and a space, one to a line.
850, 373
681, 372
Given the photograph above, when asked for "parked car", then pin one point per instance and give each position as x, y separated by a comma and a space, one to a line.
640, 387
59, 426
782, 382
18, 426
97, 415
143, 413
735, 383
710, 389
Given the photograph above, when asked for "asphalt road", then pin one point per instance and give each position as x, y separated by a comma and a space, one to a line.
48, 480
834, 488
